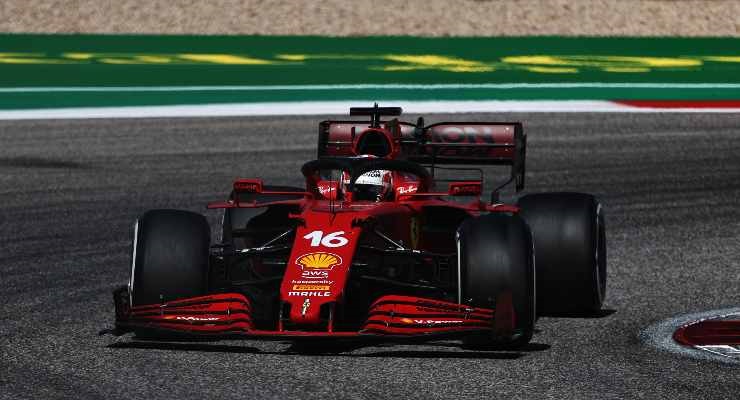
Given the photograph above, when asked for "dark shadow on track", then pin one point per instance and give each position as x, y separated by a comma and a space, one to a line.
441, 354
530, 347
201, 347
595, 314
38, 162
337, 349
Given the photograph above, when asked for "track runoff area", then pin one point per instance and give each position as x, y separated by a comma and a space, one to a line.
91, 76
88, 76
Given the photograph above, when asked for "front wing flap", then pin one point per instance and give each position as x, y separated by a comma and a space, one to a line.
213, 314
228, 315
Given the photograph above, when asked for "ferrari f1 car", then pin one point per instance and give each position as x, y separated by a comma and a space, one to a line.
373, 246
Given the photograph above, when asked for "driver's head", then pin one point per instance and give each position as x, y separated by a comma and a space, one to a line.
373, 185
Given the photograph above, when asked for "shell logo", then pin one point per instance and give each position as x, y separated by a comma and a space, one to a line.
319, 260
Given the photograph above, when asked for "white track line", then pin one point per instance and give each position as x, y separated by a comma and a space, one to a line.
410, 86
339, 108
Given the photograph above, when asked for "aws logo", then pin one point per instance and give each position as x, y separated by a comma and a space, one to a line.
319, 261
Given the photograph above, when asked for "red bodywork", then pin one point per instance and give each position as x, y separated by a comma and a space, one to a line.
327, 236
229, 314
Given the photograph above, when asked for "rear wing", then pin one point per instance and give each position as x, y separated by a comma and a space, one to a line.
461, 143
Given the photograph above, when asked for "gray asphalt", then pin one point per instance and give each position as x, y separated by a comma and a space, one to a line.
70, 191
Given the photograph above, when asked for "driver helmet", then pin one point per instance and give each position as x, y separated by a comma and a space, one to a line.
374, 185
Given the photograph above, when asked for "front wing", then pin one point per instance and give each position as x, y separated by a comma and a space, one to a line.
229, 315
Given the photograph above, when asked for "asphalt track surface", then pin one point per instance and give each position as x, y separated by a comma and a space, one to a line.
71, 190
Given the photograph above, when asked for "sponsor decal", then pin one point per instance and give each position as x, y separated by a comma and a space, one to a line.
376, 173
191, 318
407, 189
325, 189
430, 321
318, 261
464, 134
465, 189
310, 287
309, 294
310, 282
436, 321
314, 275
306, 305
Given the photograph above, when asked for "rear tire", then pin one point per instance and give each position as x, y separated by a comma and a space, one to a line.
570, 249
496, 263
170, 257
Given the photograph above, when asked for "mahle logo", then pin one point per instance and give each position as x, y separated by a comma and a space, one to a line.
319, 261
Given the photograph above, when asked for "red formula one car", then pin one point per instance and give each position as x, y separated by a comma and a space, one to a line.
373, 247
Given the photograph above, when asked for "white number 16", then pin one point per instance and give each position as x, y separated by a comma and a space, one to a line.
334, 239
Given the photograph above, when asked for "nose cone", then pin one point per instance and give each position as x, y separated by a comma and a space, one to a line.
318, 265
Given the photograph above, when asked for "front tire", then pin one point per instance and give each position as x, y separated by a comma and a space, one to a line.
170, 257
497, 270
570, 248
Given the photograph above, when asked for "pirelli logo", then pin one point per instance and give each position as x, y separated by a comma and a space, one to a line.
310, 287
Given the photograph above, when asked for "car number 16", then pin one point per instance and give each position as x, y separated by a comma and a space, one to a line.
334, 239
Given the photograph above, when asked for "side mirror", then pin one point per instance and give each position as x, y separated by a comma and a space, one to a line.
248, 185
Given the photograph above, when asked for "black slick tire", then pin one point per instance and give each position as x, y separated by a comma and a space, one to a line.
497, 271
170, 257
570, 249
